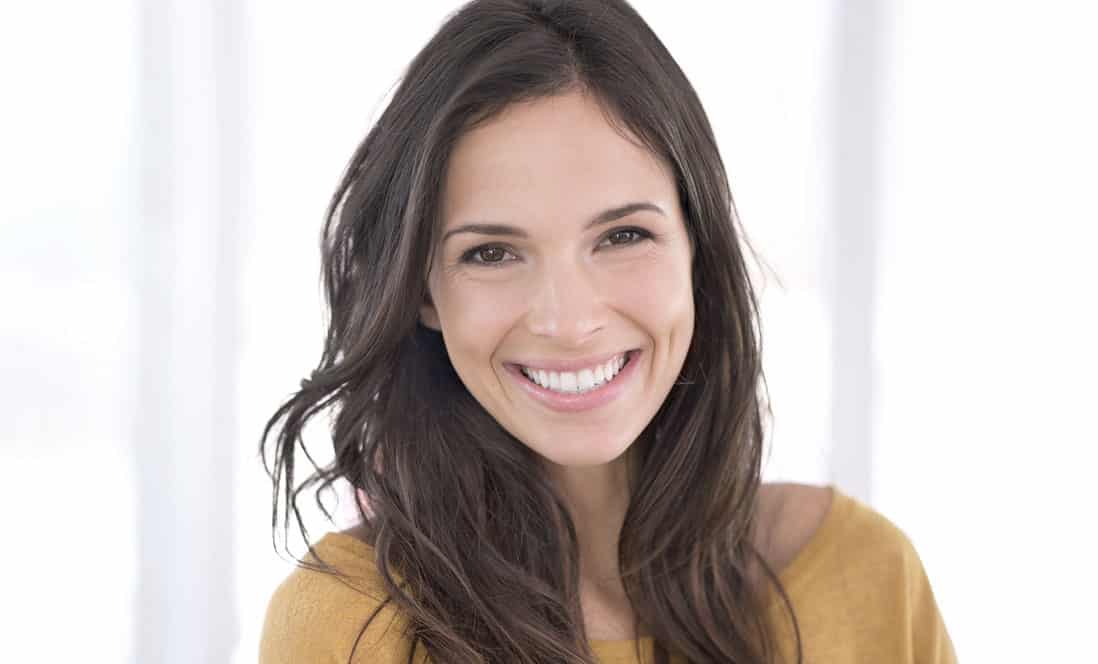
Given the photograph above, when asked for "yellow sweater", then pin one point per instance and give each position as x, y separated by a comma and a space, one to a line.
858, 589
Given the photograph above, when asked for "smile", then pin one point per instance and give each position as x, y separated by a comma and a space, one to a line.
577, 382
580, 389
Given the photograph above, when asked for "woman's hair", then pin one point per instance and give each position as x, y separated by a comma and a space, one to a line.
465, 513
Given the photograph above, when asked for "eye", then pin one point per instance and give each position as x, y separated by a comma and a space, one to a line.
489, 254
626, 236
495, 255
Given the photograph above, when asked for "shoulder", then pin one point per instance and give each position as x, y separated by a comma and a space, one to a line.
789, 515
812, 535
317, 616
854, 577
799, 520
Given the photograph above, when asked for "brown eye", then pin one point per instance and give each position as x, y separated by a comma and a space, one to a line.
490, 255
621, 237
626, 236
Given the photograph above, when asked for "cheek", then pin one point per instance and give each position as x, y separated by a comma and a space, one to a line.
474, 319
658, 295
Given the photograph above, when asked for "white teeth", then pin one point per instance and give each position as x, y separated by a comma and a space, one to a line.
575, 382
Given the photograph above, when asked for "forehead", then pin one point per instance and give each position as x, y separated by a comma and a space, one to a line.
551, 158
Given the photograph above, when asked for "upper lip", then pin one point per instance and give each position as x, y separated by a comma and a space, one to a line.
571, 365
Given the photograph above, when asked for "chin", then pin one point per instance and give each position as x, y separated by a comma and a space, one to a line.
584, 456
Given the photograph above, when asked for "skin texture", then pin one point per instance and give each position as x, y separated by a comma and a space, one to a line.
565, 291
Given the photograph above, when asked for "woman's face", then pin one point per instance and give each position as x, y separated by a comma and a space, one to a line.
563, 251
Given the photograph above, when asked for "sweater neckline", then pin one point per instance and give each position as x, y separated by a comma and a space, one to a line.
792, 576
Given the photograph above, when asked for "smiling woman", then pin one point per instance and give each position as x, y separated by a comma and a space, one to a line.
573, 291
544, 367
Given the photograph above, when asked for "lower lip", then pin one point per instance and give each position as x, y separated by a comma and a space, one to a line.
572, 403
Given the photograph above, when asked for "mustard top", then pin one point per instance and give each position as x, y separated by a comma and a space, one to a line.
858, 588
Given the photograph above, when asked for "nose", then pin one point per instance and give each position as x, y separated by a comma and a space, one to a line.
566, 304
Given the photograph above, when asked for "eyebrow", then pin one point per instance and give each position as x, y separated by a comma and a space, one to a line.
604, 217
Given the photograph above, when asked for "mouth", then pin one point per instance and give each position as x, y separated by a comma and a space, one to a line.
578, 390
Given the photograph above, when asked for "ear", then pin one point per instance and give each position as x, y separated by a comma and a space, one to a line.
428, 315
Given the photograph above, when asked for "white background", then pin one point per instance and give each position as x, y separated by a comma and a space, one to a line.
919, 177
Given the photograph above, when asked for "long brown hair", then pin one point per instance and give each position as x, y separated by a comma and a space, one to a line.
435, 470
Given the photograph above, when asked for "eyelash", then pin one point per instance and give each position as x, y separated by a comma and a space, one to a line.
469, 257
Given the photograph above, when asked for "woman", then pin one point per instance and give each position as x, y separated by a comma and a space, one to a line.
544, 367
